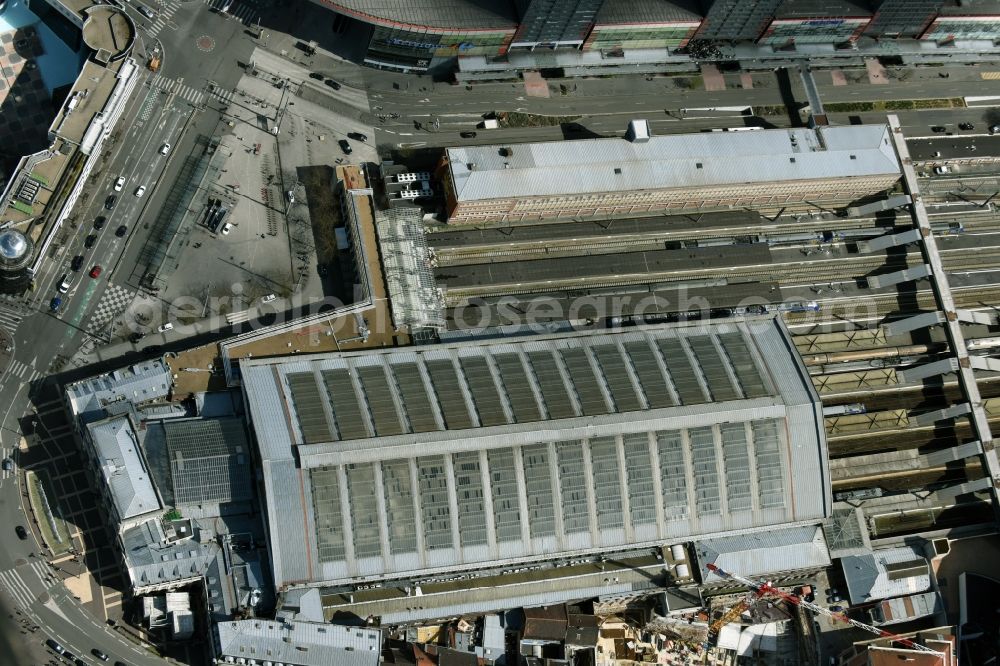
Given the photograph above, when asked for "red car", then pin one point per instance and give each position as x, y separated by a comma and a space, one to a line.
95, 271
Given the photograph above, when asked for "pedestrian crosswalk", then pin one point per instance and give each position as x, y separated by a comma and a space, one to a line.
10, 318
182, 90
241, 10
164, 15
14, 583
22, 371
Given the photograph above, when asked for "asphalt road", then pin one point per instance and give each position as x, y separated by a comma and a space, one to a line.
42, 339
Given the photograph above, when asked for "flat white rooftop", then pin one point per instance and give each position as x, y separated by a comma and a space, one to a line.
555, 168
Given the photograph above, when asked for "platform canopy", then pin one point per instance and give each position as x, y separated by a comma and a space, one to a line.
405, 462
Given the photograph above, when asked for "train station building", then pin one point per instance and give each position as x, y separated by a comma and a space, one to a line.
617, 177
546, 460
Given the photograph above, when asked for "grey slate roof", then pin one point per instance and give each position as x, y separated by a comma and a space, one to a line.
764, 552
881, 574
299, 643
435, 15
123, 467
478, 452
556, 168
151, 561
138, 383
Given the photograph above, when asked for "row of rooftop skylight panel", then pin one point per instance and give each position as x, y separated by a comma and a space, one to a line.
500, 388
719, 459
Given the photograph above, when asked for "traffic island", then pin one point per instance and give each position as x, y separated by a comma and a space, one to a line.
53, 529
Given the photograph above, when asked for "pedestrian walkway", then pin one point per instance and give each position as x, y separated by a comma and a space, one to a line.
241, 11
11, 315
15, 585
182, 90
113, 302
23, 371
164, 15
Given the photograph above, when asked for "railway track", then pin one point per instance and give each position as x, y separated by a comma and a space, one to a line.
806, 271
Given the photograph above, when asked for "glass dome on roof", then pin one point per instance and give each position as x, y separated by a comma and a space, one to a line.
13, 244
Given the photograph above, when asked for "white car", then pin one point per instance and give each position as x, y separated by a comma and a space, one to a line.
268, 298
165, 327
120, 183
226, 228
140, 191
164, 149
940, 170
64, 284
291, 196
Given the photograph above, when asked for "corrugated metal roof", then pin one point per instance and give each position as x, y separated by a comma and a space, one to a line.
819, 9
301, 643
558, 168
764, 552
632, 12
209, 460
457, 492
123, 467
443, 15
902, 609
868, 576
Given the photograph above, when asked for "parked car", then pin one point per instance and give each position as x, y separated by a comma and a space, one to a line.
95, 272
966, 126
995, 129
164, 149
941, 170
165, 327
55, 646
837, 609
8, 465
140, 191
120, 183
110, 202
226, 228
333, 84
22, 533
89, 241
467, 135
316, 75
121, 231
834, 599
290, 195
268, 298
357, 136
938, 128
100, 655
99, 222
64, 284
55, 304
345, 146
77, 262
